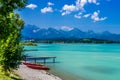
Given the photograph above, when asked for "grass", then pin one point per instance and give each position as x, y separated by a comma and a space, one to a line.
13, 76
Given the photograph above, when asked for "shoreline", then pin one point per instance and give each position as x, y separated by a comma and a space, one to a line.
63, 75
32, 74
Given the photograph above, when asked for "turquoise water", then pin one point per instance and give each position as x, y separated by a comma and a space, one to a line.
84, 61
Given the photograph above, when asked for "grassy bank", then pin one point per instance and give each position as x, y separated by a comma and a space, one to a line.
13, 76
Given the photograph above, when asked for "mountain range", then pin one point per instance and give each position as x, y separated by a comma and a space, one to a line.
34, 32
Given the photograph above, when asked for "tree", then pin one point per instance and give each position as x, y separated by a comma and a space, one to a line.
10, 33
7, 6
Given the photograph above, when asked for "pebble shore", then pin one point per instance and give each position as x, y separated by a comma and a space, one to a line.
32, 74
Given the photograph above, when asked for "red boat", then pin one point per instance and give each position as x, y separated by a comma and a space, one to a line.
34, 64
38, 67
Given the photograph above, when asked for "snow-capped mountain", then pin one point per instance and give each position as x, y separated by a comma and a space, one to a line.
34, 32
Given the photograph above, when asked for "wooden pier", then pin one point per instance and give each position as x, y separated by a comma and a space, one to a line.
42, 57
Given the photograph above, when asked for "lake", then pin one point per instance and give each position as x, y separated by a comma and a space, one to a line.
81, 61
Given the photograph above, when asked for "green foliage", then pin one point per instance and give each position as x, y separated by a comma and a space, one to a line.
7, 6
10, 50
28, 44
13, 76
10, 33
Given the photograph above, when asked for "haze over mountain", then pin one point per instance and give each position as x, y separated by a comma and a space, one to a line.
34, 32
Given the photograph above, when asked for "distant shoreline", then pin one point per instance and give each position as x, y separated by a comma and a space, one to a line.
82, 41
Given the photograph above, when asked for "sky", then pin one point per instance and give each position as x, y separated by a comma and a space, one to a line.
96, 15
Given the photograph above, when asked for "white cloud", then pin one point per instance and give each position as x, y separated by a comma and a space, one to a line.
77, 16
66, 28
65, 13
90, 1
46, 9
95, 16
78, 6
80, 3
93, 1
67, 9
86, 15
50, 4
31, 6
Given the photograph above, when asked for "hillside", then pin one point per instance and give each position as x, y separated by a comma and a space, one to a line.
33, 32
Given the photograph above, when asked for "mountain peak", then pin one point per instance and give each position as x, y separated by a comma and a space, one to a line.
65, 32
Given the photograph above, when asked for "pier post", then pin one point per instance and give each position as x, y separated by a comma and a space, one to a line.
44, 60
25, 59
54, 60
35, 60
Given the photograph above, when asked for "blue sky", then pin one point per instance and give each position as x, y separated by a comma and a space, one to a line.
96, 15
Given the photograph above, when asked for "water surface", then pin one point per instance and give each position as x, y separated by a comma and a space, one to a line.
82, 61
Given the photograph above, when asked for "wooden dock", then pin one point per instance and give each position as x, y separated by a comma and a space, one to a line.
42, 57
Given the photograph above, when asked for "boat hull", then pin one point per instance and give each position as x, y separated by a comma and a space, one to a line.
38, 67
34, 64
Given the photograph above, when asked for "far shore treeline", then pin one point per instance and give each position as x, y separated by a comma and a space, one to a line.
83, 40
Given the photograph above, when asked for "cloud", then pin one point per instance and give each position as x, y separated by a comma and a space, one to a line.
95, 16
50, 4
78, 6
46, 9
93, 1
65, 13
31, 6
66, 28
80, 3
78, 16
86, 15
67, 9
